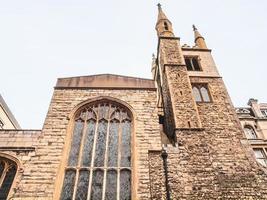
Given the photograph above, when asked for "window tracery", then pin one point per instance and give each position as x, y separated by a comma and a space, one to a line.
99, 162
8, 169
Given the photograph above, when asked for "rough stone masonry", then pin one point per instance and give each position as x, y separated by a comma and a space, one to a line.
186, 140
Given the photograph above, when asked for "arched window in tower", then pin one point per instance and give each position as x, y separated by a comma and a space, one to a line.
250, 132
166, 26
205, 94
196, 94
99, 161
8, 169
201, 93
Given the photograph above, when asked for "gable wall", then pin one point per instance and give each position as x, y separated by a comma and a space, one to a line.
41, 183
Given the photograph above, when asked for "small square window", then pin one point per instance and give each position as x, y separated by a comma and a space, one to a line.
192, 63
201, 93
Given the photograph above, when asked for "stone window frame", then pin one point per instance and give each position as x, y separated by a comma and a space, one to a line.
198, 86
252, 132
63, 164
261, 160
191, 57
15, 161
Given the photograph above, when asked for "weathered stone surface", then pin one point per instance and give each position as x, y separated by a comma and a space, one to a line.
156, 174
207, 156
210, 160
41, 167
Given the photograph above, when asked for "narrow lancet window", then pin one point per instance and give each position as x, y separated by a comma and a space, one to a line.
99, 162
205, 94
196, 94
166, 26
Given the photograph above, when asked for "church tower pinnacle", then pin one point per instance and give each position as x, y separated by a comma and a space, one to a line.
163, 26
199, 39
174, 88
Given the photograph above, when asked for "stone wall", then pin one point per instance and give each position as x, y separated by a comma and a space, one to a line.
156, 176
42, 171
182, 102
206, 63
214, 162
167, 108
21, 146
178, 104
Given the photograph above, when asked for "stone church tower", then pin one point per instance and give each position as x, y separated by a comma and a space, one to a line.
209, 158
109, 137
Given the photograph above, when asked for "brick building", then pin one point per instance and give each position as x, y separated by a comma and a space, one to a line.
176, 136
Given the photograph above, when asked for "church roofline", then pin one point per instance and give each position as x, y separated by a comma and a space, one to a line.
105, 81
107, 74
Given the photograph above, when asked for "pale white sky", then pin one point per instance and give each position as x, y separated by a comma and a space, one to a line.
46, 39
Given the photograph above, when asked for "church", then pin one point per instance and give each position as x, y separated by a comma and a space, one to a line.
106, 137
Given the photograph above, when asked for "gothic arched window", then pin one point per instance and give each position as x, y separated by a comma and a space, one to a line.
99, 162
201, 93
8, 169
196, 94
250, 132
205, 94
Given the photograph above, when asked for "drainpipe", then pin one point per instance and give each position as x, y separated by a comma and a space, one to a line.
164, 156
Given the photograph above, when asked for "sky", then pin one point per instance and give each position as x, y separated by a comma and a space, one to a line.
43, 40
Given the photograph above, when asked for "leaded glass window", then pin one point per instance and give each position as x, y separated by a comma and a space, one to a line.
99, 160
8, 169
